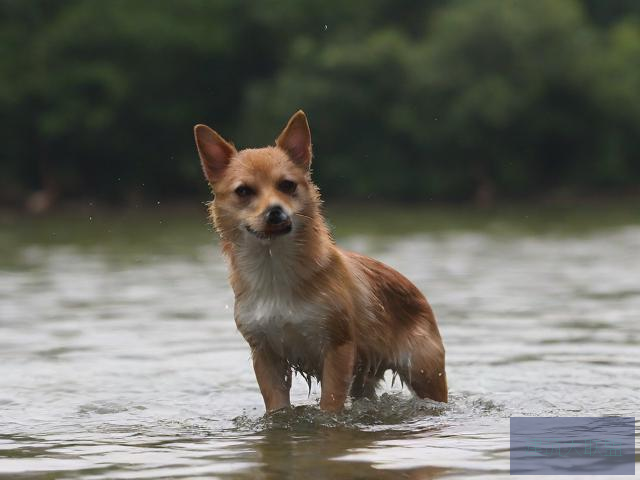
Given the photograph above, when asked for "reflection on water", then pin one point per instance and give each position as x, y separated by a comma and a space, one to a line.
122, 361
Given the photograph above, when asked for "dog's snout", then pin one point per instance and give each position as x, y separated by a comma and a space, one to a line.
276, 215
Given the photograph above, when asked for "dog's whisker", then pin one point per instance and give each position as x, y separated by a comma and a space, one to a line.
304, 216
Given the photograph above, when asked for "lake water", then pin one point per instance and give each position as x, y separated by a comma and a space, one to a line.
119, 357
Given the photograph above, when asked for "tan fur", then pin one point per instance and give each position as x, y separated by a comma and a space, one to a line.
303, 303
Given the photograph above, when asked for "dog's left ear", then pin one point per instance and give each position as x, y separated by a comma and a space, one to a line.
295, 139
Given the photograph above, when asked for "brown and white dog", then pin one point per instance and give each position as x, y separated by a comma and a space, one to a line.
301, 302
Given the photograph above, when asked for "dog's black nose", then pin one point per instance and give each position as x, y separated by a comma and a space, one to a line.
276, 215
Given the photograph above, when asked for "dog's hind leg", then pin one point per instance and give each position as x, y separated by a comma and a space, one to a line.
425, 373
365, 383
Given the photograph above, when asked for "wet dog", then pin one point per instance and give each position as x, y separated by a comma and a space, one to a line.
301, 302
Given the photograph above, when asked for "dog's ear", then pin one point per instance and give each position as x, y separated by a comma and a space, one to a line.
215, 152
295, 139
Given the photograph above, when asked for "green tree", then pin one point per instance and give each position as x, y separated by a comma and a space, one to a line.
408, 100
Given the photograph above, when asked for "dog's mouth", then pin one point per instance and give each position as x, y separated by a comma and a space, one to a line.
271, 230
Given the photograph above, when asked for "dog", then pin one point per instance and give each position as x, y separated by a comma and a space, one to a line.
302, 303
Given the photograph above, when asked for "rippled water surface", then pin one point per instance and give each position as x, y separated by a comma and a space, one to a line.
119, 357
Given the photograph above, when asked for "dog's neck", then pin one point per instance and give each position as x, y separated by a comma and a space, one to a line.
281, 264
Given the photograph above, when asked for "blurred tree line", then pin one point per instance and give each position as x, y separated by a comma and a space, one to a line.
408, 100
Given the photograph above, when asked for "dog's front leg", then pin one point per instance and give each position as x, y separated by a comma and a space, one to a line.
274, 378
337, 374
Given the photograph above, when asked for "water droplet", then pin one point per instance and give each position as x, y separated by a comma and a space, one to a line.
90, 218
440, 374
326, 27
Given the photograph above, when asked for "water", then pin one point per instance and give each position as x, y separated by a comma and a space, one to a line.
119, 357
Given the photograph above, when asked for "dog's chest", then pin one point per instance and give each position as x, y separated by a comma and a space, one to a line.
292, 327
273, 311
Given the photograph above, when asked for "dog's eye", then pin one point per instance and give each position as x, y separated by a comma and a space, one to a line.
287, 186
244, 191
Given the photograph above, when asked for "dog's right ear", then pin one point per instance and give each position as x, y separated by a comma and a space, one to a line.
215, 152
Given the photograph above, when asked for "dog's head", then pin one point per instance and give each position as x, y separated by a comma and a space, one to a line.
260, 192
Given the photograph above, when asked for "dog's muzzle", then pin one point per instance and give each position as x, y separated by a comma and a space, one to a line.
277, 222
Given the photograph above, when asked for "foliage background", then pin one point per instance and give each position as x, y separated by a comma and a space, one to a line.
409, 100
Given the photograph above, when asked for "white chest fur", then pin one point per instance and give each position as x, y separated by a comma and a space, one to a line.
272, 310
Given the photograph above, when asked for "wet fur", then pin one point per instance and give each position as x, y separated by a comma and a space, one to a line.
303, 303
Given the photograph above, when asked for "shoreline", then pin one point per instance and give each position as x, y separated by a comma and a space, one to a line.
176, 221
